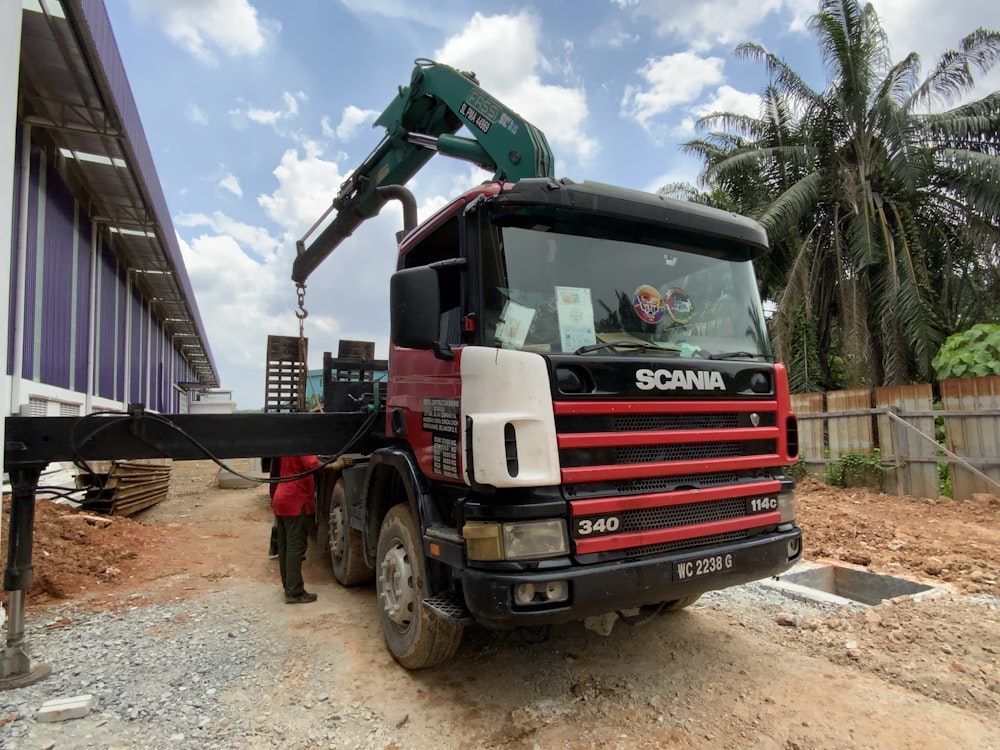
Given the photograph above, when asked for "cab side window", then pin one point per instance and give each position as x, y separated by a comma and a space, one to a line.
442, 244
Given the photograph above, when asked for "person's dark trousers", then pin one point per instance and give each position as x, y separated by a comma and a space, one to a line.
272, 547
292, 536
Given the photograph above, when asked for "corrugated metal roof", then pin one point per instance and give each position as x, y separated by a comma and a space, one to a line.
73, 84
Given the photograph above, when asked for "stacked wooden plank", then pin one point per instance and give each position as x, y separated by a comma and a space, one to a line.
121, 488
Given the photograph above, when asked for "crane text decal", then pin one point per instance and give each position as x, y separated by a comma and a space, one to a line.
670, 380
482, 110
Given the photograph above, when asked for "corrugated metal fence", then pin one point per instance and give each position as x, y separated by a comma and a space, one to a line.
899, 421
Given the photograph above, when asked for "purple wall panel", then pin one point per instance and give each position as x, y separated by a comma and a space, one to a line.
120, 329
144, 364
107, 335
57, 282
83, 304
31, 262
135, 347
158, 369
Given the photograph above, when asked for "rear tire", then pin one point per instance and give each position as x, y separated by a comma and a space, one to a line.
416, 637
346, 545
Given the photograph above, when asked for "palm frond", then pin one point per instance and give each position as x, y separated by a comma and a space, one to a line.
953, 75
793, 205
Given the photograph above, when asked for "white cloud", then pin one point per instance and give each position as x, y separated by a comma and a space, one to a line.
306, 185
728, 99
257, 239
503, 51
204, 28
326, 128
906, 25
241, 274
238, 294
412, 13
232, 184
196, 114
271, 116
614, 38
707, 23
352, 120
671, 81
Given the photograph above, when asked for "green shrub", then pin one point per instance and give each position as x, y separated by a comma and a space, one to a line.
855, 470
969, 354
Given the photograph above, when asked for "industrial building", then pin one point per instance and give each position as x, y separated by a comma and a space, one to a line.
100, 309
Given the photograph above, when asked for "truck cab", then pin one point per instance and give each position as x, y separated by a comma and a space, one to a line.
583, 416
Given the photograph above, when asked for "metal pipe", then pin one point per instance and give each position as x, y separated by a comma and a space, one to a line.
404, 196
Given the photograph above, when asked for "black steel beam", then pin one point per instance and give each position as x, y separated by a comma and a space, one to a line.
39, 440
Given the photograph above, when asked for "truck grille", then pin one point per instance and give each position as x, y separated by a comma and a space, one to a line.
682, 515
659, 549
650, 477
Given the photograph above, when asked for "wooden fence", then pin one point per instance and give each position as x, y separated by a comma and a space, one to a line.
899, 421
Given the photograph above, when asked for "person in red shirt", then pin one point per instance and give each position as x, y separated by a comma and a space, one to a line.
294, 502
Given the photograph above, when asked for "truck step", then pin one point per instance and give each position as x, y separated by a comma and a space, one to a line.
449, 606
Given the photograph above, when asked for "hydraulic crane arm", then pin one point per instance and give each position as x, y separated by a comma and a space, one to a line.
422, 119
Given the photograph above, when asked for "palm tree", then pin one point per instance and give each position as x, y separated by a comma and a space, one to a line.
882, 211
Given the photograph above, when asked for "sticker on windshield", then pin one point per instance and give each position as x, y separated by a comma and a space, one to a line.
678, 304
648, 303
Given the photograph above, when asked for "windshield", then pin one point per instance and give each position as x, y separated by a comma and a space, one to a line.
550, 292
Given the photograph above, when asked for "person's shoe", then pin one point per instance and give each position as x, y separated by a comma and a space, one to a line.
304, 598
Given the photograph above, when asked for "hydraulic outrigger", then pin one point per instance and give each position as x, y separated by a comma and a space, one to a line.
34, 442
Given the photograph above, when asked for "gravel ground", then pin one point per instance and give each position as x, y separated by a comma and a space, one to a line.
177, 627
201, 673
192, 673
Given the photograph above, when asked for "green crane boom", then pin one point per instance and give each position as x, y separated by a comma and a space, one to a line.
421, 120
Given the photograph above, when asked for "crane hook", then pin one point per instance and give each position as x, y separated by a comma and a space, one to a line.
300, 290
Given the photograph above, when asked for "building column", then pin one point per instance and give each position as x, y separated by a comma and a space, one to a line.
10, 63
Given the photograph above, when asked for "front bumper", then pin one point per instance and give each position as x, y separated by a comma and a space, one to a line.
607, 587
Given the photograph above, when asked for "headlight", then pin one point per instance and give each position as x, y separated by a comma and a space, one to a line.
530, 539
518, 540
786, 506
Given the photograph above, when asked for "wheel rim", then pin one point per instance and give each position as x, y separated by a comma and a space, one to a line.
338, 537
396, 586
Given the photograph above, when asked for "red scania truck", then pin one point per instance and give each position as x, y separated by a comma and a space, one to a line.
582, 414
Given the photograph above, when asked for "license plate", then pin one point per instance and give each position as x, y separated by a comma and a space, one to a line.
702, 566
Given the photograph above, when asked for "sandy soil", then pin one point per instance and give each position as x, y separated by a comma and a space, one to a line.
734, 670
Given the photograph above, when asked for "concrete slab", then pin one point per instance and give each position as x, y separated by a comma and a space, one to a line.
845, 585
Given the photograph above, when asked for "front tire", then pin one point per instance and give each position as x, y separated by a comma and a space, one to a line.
416, 637
346, 545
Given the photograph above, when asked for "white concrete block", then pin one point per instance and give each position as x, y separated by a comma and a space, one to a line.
61, 709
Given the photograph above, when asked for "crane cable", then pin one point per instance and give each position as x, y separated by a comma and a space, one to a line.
301, 314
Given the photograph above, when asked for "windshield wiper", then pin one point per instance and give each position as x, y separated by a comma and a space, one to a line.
734, 355
625, 345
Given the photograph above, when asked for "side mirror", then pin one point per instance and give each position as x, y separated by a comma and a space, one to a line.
415, 308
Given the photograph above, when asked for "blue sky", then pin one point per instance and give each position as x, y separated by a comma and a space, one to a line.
256, 112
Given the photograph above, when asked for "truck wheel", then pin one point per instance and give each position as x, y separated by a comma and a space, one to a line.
346, 545
682, 603
416, 637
